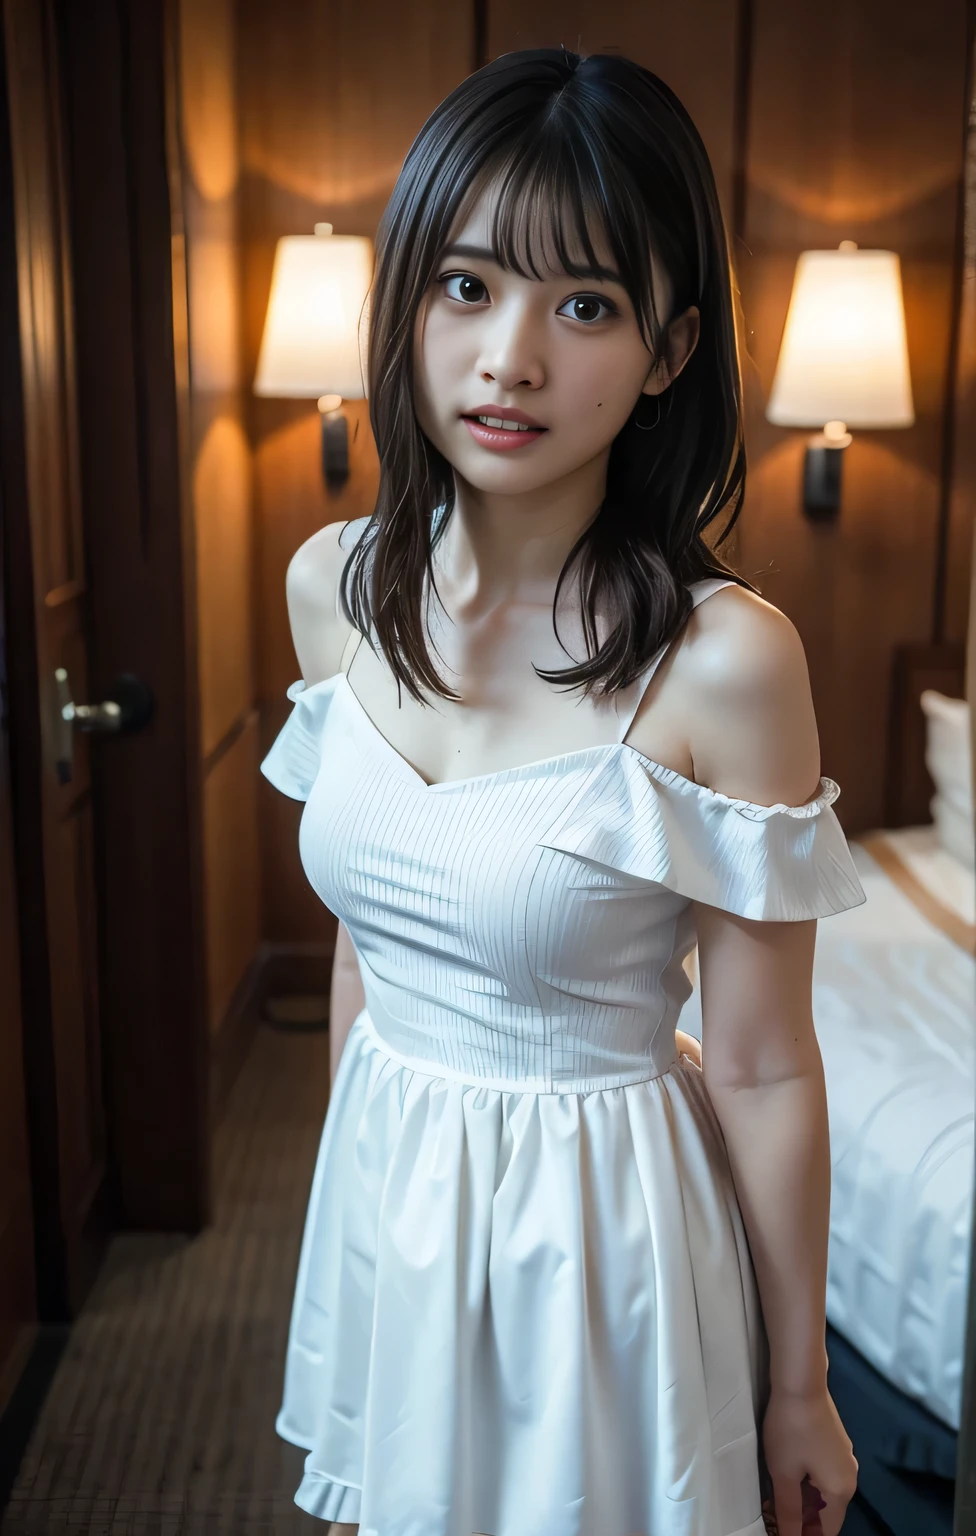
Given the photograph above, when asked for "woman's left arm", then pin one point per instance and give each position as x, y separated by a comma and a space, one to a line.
764, 1076
754, 738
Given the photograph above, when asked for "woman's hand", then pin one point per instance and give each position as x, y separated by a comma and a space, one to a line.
803, 1437
687, 1045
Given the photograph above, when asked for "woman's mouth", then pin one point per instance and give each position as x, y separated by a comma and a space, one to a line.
501, 433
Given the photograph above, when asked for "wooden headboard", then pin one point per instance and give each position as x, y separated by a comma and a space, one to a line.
908, 786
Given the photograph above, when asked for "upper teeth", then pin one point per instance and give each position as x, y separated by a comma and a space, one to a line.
508, 426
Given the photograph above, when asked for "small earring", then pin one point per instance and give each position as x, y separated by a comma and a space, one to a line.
651, 425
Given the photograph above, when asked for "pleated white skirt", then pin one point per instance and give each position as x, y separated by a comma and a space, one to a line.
521, 1313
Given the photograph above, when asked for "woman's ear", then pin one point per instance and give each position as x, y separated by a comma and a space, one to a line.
679, 341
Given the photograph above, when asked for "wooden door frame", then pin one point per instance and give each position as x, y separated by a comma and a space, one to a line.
18, 1282
131, 341
131, 371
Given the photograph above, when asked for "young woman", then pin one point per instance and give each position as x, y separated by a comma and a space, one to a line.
556, 1280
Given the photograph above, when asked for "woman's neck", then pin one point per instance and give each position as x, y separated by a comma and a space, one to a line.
501, 549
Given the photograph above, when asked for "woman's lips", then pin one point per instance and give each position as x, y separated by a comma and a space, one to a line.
501, 439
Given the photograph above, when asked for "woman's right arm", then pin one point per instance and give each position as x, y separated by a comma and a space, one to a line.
319, 633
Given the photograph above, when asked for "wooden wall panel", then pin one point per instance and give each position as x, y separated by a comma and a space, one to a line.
332, 93
222, 506
231, 869
691, 45
221, 486
855, 130
823, 123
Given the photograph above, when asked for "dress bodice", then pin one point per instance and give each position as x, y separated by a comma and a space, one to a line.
526, 928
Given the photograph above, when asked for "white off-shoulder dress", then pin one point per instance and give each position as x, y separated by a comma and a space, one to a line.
525, 1304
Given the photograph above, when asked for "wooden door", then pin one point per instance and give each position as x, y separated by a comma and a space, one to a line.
17, 1302
48, 621
115, 59
106, 825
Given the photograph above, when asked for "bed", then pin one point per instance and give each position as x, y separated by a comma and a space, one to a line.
893, 1007
894, 1001
894, 997
894, 992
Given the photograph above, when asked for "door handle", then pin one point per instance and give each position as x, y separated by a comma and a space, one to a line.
128, 707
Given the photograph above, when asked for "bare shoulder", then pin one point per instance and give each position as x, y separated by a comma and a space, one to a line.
751, 718
737, 640
318, 626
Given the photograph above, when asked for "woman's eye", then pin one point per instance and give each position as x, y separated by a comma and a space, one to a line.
465, 288
587, 308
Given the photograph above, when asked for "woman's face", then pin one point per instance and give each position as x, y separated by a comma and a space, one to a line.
552, 368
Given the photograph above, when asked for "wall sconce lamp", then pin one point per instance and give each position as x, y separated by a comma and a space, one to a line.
843, 362
311, 343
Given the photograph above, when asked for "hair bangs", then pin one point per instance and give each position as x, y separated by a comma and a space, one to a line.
555, 208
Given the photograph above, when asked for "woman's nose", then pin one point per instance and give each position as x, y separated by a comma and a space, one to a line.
510, 358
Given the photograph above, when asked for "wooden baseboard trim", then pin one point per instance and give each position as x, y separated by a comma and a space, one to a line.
275, 969
299, 967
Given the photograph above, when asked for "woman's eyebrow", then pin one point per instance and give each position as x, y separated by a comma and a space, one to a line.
472, 252
580, 274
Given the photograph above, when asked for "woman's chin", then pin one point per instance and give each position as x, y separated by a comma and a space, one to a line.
511, 474
503, 479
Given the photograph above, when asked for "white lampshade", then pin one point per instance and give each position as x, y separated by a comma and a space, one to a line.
310, 345
844, 355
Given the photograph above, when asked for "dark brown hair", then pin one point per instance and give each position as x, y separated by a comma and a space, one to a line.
596, 146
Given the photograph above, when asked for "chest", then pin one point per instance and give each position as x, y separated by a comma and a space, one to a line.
506, 713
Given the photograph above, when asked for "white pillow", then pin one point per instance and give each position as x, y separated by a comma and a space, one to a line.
948, 757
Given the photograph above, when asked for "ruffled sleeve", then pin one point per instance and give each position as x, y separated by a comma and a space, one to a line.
292, 764
778, 863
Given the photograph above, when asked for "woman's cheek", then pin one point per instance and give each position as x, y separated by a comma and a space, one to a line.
602, 411
423, 406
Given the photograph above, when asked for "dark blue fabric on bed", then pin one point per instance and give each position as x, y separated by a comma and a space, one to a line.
906, 1456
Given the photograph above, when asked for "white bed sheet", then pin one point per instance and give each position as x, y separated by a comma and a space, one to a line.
894, 1004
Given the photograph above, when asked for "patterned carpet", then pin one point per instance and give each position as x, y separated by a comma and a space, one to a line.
160, 1419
